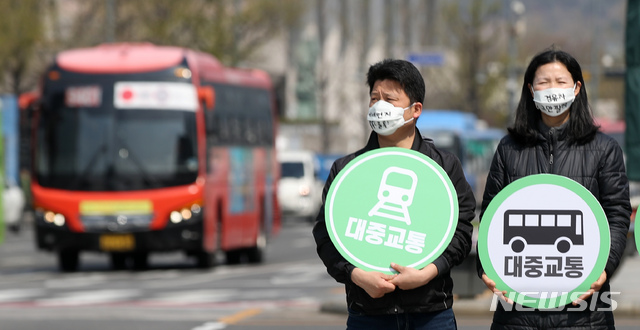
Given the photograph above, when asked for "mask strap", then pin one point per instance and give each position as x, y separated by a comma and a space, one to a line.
409, 107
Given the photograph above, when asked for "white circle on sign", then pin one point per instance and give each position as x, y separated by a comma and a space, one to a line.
544, 239
551, 264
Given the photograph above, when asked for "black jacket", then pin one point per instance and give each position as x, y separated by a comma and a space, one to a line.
599, 167
434, 296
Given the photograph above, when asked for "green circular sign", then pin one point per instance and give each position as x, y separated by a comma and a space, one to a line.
391, 205
637, 236
544, 239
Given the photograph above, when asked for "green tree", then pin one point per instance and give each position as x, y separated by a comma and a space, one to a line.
231, 30
21, 34
474, 31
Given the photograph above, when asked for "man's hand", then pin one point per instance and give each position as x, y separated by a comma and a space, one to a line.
376, 284
596, 286
410, 278
492, 286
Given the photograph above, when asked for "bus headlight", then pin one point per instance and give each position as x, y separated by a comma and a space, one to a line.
53, 218
58, 220
185, 213
175, 217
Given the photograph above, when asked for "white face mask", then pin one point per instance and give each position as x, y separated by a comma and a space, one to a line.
385, 119
554, 101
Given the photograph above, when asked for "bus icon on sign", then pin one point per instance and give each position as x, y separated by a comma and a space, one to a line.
562, 228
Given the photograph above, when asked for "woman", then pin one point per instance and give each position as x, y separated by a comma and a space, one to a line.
554, 132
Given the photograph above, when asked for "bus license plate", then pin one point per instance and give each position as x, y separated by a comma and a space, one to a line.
118, 243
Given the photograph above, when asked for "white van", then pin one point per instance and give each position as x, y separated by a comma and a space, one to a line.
299, 191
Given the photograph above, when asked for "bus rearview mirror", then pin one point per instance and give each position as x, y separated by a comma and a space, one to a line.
207, 95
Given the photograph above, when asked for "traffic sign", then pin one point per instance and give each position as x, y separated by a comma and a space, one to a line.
426, 59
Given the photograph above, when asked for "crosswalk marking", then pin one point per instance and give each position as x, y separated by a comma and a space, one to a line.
87, 297
76, 281
213, 297
191, 297
211, 326
13, 295
38, 284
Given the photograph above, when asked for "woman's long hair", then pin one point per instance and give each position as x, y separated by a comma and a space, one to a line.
581, 127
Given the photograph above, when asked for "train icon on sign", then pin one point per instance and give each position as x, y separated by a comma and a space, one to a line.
562, 228
395, 194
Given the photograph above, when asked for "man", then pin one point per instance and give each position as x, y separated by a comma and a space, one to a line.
412, 298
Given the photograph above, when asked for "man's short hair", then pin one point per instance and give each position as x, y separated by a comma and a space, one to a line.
404, 72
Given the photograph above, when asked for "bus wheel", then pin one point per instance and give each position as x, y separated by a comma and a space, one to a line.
563, 245
118, 261
68, 260
517, 245
255, 254
233, 257
205, 260
140, 260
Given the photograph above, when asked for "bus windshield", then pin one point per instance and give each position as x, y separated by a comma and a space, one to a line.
89, 144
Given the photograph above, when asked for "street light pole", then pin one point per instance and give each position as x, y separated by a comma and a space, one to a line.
110, 17
322, 79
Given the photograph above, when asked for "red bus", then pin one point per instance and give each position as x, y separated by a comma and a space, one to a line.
138, 148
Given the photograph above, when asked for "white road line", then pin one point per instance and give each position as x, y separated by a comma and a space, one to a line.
82, 280
23, 277
16, 261
226, 272
211, 326
79, 298
191, 297
152, 275
15, 295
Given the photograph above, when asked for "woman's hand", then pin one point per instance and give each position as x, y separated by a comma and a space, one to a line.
492, 286
596, 286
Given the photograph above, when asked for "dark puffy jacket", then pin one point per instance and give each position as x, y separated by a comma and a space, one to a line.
598, 166
437, 294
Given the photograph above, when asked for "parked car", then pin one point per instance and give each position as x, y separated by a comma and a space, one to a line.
299, 190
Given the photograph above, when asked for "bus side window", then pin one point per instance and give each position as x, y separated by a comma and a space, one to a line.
564, 220
210, 122
235, 129
249, 118
531, 220
250, 132
548, 220
263, 113
515, 220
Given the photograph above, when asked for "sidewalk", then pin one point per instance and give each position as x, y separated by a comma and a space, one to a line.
626, 282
